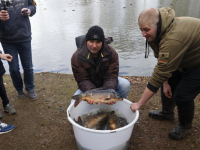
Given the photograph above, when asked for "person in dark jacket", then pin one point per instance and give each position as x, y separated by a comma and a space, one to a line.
15, 38
176, 44
95, 64
3, 95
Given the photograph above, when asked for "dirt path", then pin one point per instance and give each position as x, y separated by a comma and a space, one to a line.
43, 124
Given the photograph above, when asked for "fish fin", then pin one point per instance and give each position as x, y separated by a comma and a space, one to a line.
112, 112
79, 119
78, 99
76, 102
107, 98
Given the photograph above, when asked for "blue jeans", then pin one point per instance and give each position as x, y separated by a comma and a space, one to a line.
25, 54
122, 88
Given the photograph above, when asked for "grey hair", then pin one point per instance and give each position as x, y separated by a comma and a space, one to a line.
150, 15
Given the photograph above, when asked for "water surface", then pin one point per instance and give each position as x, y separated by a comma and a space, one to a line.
58, 22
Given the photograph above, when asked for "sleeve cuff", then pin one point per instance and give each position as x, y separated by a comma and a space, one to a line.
152, 88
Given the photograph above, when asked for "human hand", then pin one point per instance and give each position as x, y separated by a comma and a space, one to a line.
167, 89
26, 9
90, 102
111, 102
4, 15
7, 57
135, 106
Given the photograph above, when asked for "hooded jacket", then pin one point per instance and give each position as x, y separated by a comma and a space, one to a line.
17, 28
89, 75
176, 48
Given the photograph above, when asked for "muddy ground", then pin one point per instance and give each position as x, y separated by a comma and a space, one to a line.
43, 124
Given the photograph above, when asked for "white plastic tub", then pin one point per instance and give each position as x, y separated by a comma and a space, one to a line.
90, 139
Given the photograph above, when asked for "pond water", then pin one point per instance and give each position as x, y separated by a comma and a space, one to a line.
58, 22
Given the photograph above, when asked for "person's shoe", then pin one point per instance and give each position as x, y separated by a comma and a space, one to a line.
5, 128
1, 116
32, 94
21, 94
161, 115
10, 110
180, 132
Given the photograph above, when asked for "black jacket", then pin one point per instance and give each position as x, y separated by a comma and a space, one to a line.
17, 28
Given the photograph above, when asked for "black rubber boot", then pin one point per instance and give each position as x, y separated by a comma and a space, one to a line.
186, 114
167, 111
161, 115
180, 132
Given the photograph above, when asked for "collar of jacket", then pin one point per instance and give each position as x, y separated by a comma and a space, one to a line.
166, 18
91, 54
84, 53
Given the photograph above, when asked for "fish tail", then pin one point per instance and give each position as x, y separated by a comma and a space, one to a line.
77, 98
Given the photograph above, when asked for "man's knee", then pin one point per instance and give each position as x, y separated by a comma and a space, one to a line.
124, 83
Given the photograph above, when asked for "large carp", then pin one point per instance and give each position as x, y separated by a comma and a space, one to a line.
97, 121
116, 122
99, 95
102, 121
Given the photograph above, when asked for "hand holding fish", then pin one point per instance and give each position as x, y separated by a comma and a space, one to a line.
93, 102
111, 102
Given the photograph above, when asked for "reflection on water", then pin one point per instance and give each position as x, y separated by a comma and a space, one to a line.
57, 23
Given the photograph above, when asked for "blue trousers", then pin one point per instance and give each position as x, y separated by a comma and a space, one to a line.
25, 54
122, 88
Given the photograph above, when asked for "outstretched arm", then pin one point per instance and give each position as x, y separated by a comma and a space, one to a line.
145, 97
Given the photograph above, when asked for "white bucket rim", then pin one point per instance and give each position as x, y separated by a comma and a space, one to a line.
102, 131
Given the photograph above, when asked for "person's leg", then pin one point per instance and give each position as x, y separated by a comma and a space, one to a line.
76, 93
187, 90
5, 101
24, 50
14, 65
3, 94
168, 104
123, 87
25, 54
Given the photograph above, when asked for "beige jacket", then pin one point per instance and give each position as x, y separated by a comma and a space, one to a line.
177, 47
